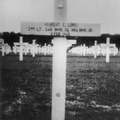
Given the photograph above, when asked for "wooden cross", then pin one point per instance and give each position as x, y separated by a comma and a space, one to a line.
108, 50
21, 44
33, 48
59, 51
95, 49
21, 49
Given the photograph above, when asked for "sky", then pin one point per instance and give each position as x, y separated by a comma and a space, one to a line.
105, 12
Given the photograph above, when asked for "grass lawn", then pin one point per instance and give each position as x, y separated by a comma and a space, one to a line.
92, 91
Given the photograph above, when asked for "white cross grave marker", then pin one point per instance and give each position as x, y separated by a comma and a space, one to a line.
21, 49
60, 28
20, 44
33, 48
84, 50
59, 65
26, 48
95, 49
5, 49
108, 50
2, 46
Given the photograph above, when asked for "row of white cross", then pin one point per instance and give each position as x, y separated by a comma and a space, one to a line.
25, 48
4, 48
96, 50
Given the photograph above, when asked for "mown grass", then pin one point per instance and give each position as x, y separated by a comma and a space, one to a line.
92, 84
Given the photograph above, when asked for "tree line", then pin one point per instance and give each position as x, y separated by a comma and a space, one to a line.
11, 37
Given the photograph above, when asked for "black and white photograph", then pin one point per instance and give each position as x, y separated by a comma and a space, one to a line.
60, 59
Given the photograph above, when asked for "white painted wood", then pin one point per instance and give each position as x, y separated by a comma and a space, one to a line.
59, 65
59, 78
95, 49
21, 49
84, 50
33, 48
108, 50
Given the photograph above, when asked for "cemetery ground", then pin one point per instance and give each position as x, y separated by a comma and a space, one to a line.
92, 88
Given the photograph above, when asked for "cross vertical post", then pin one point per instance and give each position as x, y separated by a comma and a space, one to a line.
59, 64
2, 46
21, 49
108, 50
33, 48
95, 49
84, 50
59, 78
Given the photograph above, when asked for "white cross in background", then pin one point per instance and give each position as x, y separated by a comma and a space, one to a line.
33, 48
21, 47
108, 50
2, 46
95, 49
